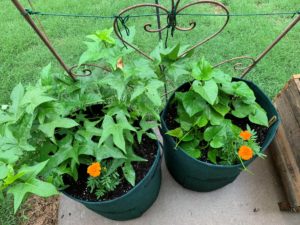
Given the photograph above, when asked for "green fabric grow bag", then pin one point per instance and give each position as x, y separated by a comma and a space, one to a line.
201, 176
136, 201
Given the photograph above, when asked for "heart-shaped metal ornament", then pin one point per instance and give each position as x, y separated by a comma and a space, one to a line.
171, 22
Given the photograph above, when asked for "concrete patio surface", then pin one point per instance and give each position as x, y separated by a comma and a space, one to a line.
250, 199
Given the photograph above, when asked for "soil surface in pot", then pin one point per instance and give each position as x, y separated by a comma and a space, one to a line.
242, 123
78, 189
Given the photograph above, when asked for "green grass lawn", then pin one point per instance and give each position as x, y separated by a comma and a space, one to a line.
22, 54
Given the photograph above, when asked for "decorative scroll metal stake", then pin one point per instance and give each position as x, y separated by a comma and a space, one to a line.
266, 51
171, 24
158, 21
43, 37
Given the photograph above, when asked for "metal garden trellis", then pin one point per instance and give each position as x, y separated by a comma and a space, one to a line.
171, 24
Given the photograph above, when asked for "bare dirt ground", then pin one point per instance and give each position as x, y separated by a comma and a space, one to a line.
40, 211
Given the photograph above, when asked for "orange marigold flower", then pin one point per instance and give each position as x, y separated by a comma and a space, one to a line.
245, 152
120, 63
94, 169
246, 135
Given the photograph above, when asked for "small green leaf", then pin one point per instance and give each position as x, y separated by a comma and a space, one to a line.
191, 148
212, 155
221, 77
208, 90
105, 35
202, 71
46, 78
129, 173
138, 90
153, 93
259, 116
215, 118
16, 96
170, 53
176, 133
176, 72
202, 121
3, 170
215, 135
218, 142
92, 53
115, 81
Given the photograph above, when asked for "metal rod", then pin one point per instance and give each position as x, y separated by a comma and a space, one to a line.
42, 36
158, 21
269, 48
160, 38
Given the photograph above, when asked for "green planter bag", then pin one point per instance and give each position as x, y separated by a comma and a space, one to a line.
135, 202
201, 176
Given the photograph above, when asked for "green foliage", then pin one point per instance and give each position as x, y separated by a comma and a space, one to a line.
52, 127
203, 111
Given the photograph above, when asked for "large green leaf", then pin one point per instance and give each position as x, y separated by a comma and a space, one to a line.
241, 109
191, 148
208, 90
10, 149
241, 89
35, 97
116, 130
34, 186
31, 172
108, 150
192, 102
49, 128
259, 116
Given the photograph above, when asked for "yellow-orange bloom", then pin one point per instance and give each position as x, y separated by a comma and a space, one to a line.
245, 152
246, 135
120, 63
94, 169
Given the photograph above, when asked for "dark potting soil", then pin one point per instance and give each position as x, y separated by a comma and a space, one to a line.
242, 123
78, 189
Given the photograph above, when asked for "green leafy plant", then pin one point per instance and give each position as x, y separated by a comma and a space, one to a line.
206, 111
51, 128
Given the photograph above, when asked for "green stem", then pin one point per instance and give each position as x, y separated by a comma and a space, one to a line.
183, 138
